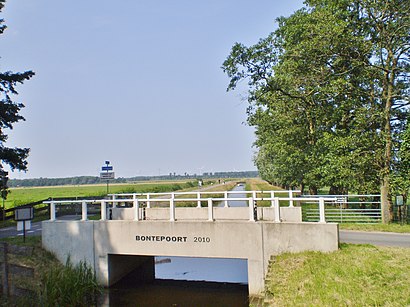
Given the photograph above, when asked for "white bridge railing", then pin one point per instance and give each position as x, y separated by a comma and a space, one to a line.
137, 201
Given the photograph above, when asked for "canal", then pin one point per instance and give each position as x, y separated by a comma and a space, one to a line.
184, 281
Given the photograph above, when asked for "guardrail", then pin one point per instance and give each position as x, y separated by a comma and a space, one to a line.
146, 200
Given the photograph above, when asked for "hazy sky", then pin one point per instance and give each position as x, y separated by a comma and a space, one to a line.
134, 82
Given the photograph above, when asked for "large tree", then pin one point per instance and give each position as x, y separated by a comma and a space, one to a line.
16, 157
329, 94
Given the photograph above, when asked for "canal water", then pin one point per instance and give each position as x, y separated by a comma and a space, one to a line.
184, 281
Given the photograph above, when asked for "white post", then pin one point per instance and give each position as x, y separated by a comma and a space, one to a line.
291, 198
254, 195
52, 211
148, 202
251, 208
136, 208
84, 210
210, 210
114, 204
226, 199
198, 195
103, 210
322, 218
172, 208
272, 201
277, 210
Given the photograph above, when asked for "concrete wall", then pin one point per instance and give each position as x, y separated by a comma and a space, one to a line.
254, 241
287, 214
74, 239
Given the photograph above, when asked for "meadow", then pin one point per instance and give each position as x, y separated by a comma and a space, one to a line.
22, 196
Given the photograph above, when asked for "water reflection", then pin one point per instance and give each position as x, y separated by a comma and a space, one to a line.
202, 269
237, 203
177, 294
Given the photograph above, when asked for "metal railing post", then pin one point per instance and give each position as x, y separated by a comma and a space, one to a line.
172, 208
226, 199
103, 210
136, 208
114, 204
322, 218
277, 210
251, 209
52, 211
198, 195
272, 201
210, 210
84, 210
290, 198
148, 201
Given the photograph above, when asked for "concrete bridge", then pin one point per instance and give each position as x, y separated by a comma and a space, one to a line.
147, 225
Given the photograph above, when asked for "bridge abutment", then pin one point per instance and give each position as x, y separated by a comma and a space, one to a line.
110, 246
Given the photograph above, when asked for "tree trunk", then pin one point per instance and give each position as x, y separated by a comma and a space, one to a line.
388, 86
386, 202
312, 190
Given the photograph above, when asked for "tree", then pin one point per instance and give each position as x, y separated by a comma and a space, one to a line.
16, 157
401, 170
329, 93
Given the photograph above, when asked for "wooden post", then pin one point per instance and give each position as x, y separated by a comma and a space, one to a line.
5, 270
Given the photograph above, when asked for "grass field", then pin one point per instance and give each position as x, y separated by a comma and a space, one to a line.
356, 275
20, 196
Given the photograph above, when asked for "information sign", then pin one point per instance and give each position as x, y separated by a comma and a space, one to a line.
23, 225
107, 175
399, 200
24, 214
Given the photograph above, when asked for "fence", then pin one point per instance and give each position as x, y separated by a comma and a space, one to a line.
10, 272
347, 209
40, 208
338, 208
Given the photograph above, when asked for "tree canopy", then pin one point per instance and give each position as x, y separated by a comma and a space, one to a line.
329, 95
16, 157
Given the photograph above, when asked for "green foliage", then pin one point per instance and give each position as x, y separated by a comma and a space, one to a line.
69, 286
328, 94
16, 157
401, 177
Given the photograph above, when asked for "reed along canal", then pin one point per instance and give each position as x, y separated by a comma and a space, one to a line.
187, 282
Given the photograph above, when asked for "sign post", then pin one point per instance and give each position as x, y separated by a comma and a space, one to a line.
107, 172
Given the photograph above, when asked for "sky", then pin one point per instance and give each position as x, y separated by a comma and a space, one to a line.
135, 82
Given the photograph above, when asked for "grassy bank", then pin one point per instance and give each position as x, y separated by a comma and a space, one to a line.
356, 275
256, 184
53, 284
405, 228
